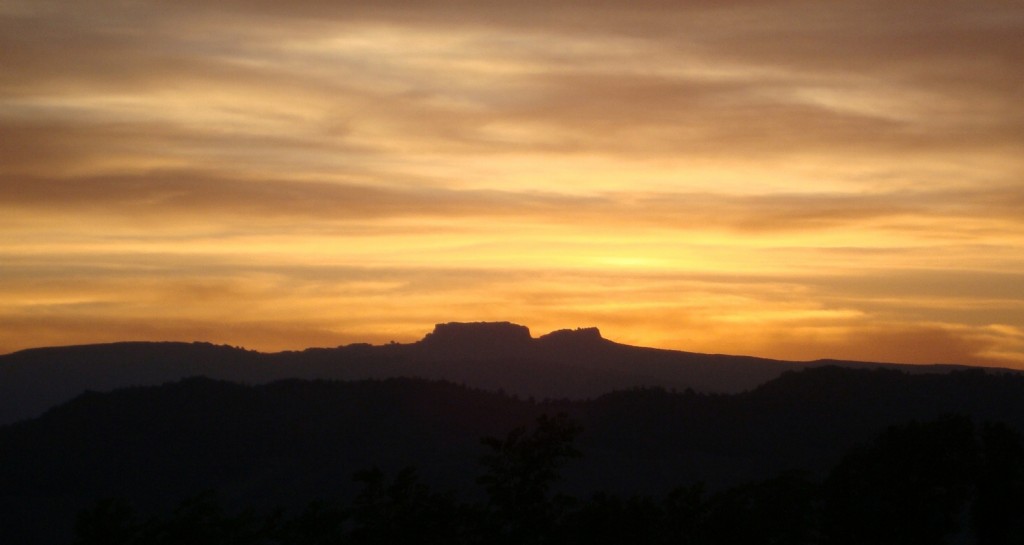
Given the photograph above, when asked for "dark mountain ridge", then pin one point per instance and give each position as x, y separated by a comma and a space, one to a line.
287, 442
573, 364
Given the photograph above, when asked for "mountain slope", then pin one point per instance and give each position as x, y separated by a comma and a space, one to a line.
571, 364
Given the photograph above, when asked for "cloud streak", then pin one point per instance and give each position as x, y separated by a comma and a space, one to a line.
188, 194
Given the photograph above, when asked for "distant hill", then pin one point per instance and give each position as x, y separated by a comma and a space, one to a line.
287, 442
574, 364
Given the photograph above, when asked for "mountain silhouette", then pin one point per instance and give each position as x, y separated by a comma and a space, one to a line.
569, 363
287, 442
483, 340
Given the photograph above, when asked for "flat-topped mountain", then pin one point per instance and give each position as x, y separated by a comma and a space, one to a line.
481, 339
568, 363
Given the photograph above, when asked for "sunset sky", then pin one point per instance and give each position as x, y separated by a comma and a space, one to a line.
793, 179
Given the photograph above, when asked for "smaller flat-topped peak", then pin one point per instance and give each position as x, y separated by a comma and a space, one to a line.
580, 333
574, 344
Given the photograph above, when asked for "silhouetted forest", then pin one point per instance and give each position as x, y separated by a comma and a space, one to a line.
931, 483
798, 460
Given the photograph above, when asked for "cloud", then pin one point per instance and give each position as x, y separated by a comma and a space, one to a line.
904, 343
856, 80
177, 195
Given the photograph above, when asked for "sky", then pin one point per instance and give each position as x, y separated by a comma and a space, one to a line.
792, 179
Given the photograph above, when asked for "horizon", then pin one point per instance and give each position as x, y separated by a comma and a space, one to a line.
532, 335
792, 180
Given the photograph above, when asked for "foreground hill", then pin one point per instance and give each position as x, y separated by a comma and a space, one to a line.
291, 441
573, 364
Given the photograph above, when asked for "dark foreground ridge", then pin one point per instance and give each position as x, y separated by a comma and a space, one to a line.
802, 458
569, 363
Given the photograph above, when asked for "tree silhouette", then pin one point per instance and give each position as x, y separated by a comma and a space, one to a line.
910, 486
519, 472
321, 523
403, 511
778, 511
605, 519
996, 514
108, 522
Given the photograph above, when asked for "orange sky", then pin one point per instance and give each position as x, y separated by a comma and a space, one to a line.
795, 179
